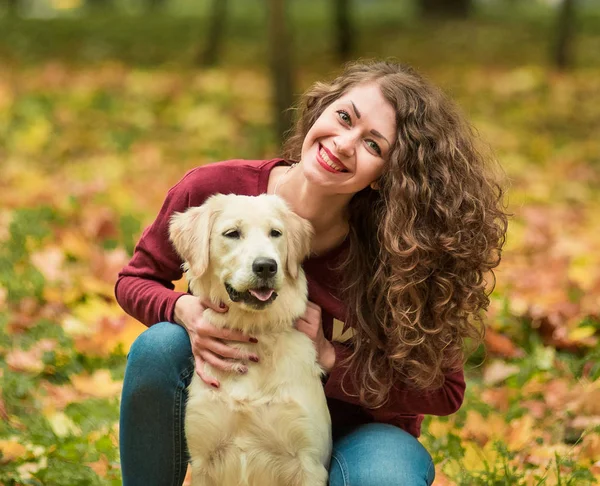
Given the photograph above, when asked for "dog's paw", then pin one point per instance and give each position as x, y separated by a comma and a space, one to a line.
240, 368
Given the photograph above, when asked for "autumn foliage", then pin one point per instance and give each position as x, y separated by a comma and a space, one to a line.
87, 153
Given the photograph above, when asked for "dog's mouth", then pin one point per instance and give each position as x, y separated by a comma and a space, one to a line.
258, 297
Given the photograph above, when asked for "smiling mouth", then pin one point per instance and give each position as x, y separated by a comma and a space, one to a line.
257, 298
336, 166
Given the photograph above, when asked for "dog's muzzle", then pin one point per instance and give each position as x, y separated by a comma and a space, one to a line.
257, 297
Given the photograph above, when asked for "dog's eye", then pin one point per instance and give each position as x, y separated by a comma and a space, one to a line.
275, 233
233, 234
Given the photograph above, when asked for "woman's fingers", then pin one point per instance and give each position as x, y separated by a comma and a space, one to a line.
209, 330
218, 307
209, 380
223, 350
222, 364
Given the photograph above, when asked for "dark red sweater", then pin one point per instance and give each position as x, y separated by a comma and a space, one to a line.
145, 290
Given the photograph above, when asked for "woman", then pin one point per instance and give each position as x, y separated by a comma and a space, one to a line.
408, 224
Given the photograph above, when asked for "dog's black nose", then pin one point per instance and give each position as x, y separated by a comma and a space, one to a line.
264, 267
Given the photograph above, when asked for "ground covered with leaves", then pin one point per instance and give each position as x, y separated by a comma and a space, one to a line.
88, 150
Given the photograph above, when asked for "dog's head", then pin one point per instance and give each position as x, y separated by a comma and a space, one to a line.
247, 245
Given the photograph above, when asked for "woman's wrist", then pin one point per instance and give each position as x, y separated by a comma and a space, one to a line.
179, 311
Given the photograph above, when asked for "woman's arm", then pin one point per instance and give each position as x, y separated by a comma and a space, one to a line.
144, 288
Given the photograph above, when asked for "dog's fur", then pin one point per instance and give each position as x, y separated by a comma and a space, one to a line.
270, 426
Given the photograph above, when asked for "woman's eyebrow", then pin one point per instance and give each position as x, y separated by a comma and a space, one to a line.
377, 134
374, 132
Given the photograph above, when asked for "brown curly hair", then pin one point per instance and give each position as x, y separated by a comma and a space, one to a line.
418, 272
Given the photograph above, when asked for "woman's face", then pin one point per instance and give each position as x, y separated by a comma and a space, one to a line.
347, 147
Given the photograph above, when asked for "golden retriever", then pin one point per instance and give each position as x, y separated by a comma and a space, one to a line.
269, 426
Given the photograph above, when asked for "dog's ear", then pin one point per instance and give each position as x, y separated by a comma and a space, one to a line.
190, 234
299, 235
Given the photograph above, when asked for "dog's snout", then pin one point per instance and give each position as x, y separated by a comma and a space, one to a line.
264, 267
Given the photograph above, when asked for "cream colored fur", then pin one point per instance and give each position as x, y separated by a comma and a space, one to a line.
270, 426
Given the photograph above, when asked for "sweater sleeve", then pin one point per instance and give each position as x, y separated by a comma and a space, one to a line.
403, 400
144, 287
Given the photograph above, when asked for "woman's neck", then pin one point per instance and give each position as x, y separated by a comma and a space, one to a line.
326, 212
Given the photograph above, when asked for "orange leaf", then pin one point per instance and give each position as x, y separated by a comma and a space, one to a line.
500, 345
11, 449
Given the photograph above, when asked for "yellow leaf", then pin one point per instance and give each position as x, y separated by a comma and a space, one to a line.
73, 243
33, 137
10, 450
437, 428
62, 425
590, 447
98, 385
520, 433
483, 429
477, 458
582, 333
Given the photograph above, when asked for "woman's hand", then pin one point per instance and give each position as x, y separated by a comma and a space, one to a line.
312, 325
209, 342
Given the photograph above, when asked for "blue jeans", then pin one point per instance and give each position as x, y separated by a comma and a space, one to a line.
152, 441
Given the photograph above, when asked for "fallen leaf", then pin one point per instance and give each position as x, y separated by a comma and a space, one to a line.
11, 449
31, 360
62, 425
520, 433
49, 261
499, 345
590, 447
100, 467
498, 371
483, 429
97, 385
57, 396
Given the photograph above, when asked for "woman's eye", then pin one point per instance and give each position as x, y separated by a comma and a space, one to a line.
374, 146
344, 116
275, 233
233, 234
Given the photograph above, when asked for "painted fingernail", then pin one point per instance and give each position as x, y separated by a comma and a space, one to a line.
253, 340
253, 358
243, 370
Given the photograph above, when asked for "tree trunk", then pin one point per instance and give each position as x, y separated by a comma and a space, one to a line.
155, 5
216, 31
12, 8
281, 69
100, 5
344, 30
446, 8
565, 29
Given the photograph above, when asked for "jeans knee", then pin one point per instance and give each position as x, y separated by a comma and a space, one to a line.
161, 355
381, 455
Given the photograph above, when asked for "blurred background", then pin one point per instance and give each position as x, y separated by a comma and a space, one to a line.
104, 105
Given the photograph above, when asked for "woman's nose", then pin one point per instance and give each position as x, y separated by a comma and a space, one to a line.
345, 143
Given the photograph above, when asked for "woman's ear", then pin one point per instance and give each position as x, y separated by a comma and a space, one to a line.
375, 185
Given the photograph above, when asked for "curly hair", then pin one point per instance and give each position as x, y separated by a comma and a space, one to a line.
419, 269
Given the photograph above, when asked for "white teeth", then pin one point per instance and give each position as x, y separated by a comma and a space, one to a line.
329, 162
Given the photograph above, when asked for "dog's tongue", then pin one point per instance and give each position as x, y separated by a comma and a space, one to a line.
261, 294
